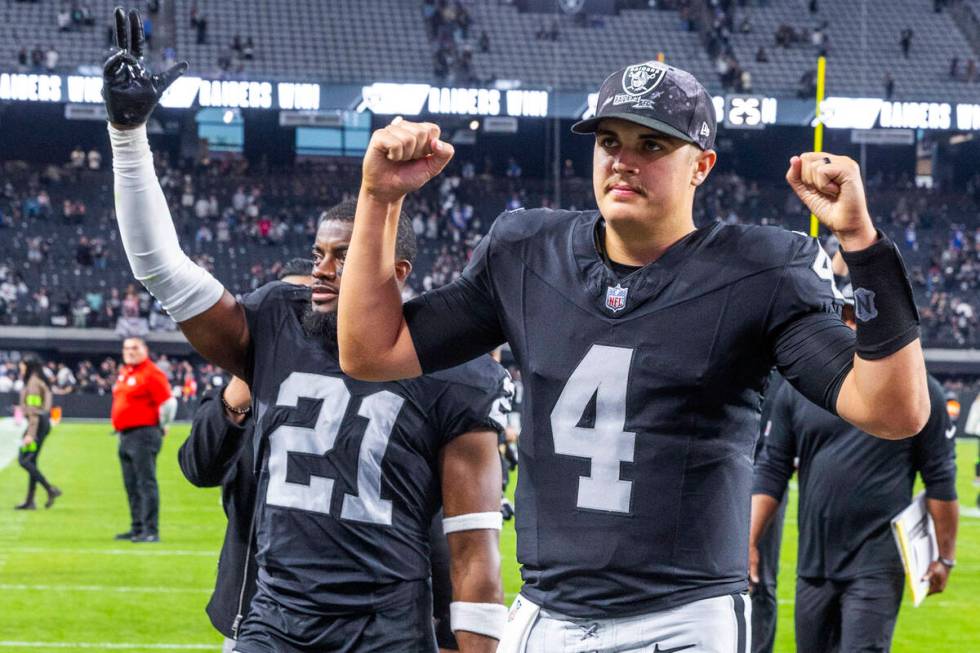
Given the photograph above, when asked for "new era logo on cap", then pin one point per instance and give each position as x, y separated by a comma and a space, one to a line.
659, 96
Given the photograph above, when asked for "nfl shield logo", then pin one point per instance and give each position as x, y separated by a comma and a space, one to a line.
616, 298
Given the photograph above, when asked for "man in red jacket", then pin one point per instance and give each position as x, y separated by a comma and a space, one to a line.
141, 400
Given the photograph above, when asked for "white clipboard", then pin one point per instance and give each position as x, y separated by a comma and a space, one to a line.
915, 535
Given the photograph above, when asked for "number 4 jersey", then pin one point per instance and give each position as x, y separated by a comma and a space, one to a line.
349, 482
642, 395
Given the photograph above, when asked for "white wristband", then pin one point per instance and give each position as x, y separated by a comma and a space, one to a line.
148, 234
473, 521
480, 618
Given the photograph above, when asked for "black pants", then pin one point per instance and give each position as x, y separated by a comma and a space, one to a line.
28, 460
764, 604
138, 449
855, 615
402, 628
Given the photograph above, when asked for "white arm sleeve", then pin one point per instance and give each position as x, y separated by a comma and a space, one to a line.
148, 235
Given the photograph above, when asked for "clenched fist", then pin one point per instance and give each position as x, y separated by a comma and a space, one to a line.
401, 158
832, 189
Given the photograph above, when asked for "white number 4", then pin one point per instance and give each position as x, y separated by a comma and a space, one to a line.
603, 374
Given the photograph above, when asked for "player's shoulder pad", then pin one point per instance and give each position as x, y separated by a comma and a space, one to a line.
482, 373
764, 245
274, 292
521, 224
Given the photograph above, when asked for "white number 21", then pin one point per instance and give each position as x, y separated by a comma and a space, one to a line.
381, 410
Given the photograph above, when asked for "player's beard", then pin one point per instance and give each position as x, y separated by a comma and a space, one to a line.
320, 325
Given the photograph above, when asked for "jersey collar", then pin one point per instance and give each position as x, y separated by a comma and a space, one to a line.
615, 297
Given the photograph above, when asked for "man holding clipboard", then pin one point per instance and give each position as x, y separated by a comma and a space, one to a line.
850, 574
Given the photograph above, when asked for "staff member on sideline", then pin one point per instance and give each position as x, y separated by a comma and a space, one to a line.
219, 451
35, 401
142, 404
849, 575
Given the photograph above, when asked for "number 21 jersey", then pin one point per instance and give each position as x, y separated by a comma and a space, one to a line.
349, 481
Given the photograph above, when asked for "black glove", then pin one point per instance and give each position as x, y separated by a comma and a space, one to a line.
129, 90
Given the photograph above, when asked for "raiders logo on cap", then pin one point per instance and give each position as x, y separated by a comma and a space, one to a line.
639, 79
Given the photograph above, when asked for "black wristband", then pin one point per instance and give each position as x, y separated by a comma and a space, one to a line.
884, 306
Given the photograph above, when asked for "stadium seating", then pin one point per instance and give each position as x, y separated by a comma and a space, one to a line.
354, 41
583, 54
34, 24
863, 47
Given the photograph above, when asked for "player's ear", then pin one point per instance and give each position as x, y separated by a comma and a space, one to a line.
704, 161
403, 268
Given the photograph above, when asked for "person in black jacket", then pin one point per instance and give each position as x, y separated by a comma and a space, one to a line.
219, 452
850, 577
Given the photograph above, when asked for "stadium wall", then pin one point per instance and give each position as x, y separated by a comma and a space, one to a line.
87, 406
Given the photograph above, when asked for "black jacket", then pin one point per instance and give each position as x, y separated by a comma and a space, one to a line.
219, 452
851, 483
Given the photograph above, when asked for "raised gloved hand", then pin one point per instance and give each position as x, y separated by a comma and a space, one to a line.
130, 91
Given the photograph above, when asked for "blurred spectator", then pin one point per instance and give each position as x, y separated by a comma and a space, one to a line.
906, 41
64, 18
51, 59
889, 83
77, 159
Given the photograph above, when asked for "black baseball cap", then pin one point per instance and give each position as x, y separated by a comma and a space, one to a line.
658, 96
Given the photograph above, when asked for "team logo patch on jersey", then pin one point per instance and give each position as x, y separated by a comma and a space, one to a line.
864, 304
616, 298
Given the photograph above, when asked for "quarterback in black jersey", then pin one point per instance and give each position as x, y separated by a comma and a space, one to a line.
643, 343
351, 473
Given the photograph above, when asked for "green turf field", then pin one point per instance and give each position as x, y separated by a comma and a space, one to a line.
66, 585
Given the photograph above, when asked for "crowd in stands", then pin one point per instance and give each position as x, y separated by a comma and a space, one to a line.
188, 378
449, 23
65, 266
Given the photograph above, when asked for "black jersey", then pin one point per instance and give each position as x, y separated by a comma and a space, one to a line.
642, 393
349, 477
852, 483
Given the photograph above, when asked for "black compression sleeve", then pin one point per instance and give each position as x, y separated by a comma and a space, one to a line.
814, 353
887, 319
452, 325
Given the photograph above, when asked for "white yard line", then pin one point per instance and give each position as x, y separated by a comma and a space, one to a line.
102, 588
112, 552
111, 645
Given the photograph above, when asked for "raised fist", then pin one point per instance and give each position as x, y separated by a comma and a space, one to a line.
130, 91
832, 189
402, 157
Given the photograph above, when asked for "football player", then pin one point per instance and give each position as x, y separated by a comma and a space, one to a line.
351, 473
644, 343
